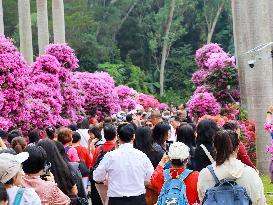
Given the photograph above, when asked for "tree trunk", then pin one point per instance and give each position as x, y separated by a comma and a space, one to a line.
166, 45
25, 30
58, 21
42, 23
215, 20
1, 18
252, 28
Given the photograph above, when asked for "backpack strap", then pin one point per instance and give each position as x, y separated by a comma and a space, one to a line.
185, 174
67, 148
207, 153
210, 168
19, 196
167, 175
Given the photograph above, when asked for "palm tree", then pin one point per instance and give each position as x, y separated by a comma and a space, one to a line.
25, 30
58, 21
251, 25
1, 19
42, 23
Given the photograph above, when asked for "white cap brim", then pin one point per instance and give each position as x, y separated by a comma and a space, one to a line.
21, 157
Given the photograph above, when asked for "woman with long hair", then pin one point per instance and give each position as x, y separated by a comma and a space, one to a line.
160, 136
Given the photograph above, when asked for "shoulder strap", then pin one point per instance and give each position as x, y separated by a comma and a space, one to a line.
185, 174
207, 153
67, 148
19, 196
167, 175
210, 168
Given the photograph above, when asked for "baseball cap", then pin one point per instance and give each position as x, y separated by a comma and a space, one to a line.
10, 165
179, 150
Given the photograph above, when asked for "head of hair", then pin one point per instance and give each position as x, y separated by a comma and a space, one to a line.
50, 132
73, 127
143, 139
59, 167
177, 162
206, 130
95, 131
3, 134
185, 134
18, 144
85, 124
61, 150
93, 112
64, 135
231, 126
108, 120
110, 131
12, 134
36, 160
129, 118
76, 137
156, 114
160, 132
193, 126
225, 143
126, 133
34, 136
3, 193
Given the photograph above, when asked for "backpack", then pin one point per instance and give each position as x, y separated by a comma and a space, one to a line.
174, 190
225, 192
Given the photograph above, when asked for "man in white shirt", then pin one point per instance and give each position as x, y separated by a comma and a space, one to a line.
127, 170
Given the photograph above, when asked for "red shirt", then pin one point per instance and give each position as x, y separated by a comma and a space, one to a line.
84, 155
107, 146
157, 182
243, 156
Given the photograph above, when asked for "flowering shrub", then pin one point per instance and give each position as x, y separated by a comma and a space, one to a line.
219, 60
220, 120
199, 77
127, 97
163, 106
64, 54
203, 104
6, 45
203, 54
147, 101
201, 89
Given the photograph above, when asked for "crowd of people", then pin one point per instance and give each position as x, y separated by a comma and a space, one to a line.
132, 158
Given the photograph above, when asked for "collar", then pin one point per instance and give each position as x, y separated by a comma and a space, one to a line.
126, 146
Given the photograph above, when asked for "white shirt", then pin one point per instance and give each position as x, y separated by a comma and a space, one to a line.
127, 169
84, 137
30, 197
172, 134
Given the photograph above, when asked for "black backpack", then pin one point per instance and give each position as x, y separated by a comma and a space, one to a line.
97, 162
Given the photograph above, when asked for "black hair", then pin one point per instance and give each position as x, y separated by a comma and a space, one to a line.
36, 160
126, 133
12, 134
3, 134
143, 139
3, 193
93, 112
76, 137
62, 152
193, 126
231, 126
177, 162
225, 143
73, 127
206, 130
59, 167
129, 118
185, 134
110, 132
34, 136
96, 131
160, 131
50, 131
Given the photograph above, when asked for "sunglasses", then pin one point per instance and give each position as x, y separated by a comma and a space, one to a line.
149, 125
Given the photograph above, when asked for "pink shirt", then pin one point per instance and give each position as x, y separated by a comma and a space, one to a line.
48, 191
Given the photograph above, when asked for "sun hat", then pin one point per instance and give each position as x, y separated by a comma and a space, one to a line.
179, 150
10, 165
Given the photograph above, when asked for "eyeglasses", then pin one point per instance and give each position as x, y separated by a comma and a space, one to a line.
149, 124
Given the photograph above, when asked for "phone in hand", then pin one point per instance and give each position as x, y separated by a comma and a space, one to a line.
46, 171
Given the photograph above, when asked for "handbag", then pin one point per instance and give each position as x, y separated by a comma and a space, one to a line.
207, 153
75, 200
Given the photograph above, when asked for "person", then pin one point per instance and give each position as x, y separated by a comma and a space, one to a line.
95, 138
185, 134
11, 176
174, 122
59, 168
50, 132
4, 138
160, 136
127, 169
83, 131
33, 137
129, 119
149, 124
155, 117
14, 133
2, 144
18, 144
4, 199
47, 190
178, 155
110, 134
242, 153
206, 130
227, 166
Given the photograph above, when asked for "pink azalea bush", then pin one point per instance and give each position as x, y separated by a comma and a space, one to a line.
200, 89
163, 106
219, 60
199, 77
127, 97
6, 45
203, 104
147, 101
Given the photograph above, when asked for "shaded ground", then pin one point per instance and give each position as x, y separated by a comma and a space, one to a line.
268, 189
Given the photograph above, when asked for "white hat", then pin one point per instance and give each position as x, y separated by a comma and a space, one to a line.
179, 150
10, 165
